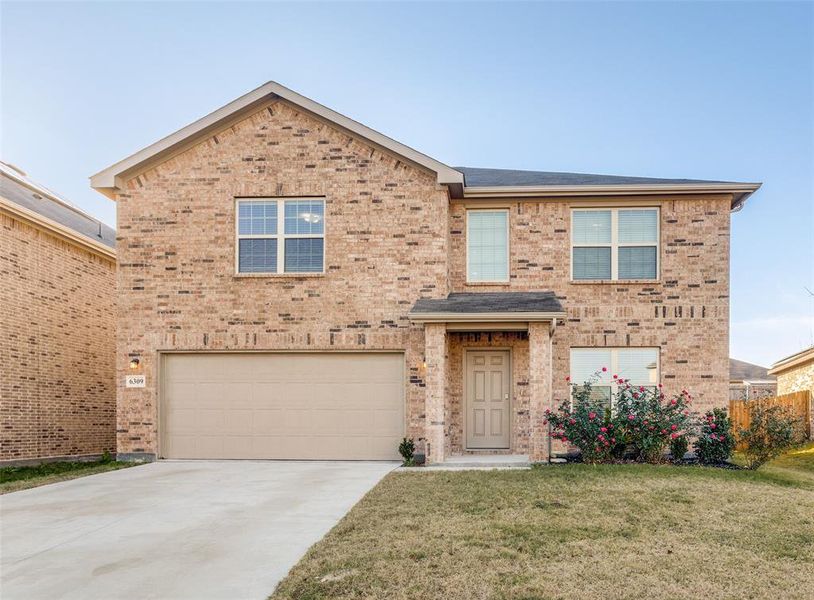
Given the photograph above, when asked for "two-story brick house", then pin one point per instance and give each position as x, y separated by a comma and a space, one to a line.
293, 284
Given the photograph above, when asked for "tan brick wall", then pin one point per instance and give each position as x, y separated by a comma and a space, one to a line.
389, 231
796, 379
685, 313
56, 346
386, 245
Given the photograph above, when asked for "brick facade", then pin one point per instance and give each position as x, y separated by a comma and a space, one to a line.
56, 346
392, 236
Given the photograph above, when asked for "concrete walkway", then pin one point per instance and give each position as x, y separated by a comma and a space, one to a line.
174, 530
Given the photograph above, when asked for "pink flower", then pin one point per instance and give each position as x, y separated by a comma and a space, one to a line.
660, 386
673, 427
641, 388
673, 401
564, 439
630, 417
603, 429
591, 415
712, 426
604, 369
571, 421
613, 440
615, 377
664, 431
635, 395
568, 378
674, 435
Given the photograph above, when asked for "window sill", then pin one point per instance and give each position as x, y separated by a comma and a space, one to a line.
614, 281
489, 283
276, 275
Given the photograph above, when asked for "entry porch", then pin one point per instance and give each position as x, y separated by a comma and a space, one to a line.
488, 373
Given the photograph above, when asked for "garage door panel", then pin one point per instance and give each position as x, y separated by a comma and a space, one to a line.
288, 406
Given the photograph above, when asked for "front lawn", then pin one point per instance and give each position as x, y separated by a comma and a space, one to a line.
572, 531
13, 479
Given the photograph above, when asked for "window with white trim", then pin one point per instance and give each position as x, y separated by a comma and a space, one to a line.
280, 236
614, 243
487, 245
639, 365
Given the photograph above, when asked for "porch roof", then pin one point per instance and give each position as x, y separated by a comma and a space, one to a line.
488, 307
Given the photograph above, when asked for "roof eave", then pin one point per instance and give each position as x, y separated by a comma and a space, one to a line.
485, 317
55, 228
739, 191
110, 180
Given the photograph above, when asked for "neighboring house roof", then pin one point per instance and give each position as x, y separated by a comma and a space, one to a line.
489, 306
795, 360
740, 370
464, 182
28, 200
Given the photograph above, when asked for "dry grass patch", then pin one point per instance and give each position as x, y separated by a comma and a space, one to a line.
570, 531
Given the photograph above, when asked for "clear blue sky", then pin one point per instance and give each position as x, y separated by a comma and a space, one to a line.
698, 90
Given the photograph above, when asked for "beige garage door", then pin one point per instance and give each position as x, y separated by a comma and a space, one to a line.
290, 406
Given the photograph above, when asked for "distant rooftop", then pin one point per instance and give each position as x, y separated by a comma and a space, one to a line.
16, 187
478, 177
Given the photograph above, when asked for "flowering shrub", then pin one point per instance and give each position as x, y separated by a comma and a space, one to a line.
772, 430
584, 423
642, 421
648, 421
715, 441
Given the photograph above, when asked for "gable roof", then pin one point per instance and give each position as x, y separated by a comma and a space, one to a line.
740, 370
111, 178
37, 204
463, 182
796, 359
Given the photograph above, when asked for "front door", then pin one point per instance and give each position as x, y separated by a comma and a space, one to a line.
487, 401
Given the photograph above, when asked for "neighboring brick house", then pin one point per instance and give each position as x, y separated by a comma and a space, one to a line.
57, 339
748, 381
795, 373
294, 284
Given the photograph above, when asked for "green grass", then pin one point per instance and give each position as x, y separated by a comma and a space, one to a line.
572, 531
13, 479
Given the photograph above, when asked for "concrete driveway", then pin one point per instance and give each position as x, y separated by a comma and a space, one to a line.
172, 530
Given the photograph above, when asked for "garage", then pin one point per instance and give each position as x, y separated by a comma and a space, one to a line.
307, 406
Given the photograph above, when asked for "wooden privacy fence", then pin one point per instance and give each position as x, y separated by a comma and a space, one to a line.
798, 402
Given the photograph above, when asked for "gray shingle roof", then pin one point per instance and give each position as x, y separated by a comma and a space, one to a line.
62, 213
477, 177
744, 371
490, 302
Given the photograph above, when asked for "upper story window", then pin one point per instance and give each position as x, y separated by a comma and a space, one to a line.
487, 245
614, 243
639, 365
280, 236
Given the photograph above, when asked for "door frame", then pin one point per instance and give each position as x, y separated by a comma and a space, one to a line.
467, 350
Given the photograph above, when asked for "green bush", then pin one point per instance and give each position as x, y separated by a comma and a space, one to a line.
678, 448
715, 440
407, 451
772, 431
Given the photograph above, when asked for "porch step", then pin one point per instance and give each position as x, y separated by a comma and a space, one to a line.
484, 461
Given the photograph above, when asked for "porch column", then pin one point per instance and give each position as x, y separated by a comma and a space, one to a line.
539, 388
435, 382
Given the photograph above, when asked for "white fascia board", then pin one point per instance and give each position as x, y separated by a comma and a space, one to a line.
740, 191
488, 317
